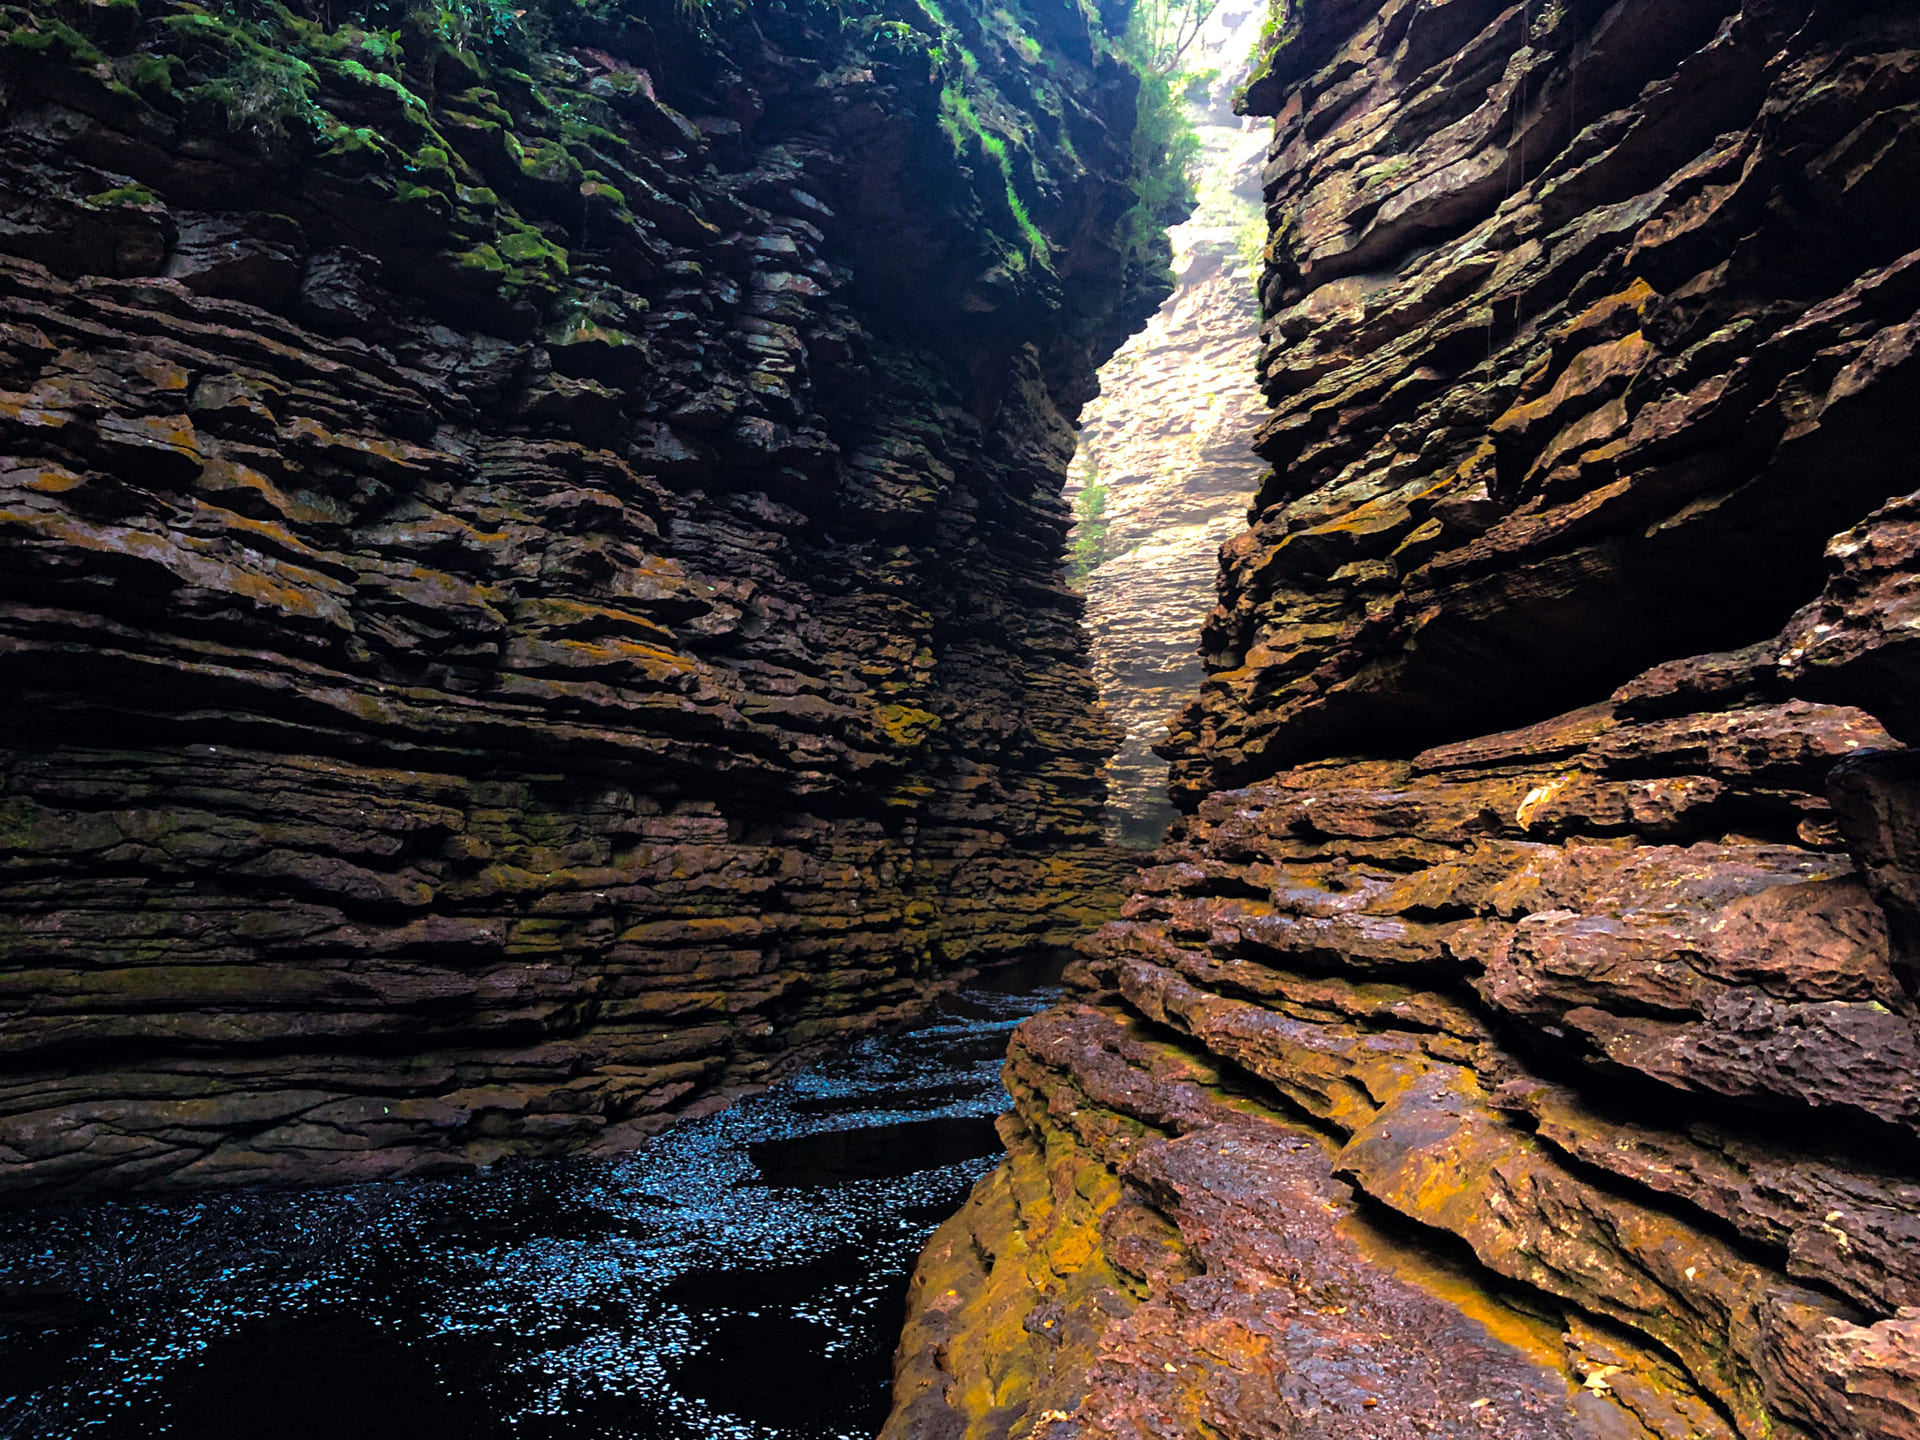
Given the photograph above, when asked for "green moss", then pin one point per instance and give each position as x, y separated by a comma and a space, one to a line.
388, 101
354, 149
54, 40
547, 161
1382, 172
262, 92
478, 199
482, 257
124, 195
483, 103
155, 74
530, 247
432, 165
408, 193
408, 100
531, 262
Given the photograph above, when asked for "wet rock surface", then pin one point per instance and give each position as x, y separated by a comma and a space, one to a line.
529, 585
1200, 1267
1546, 877
688, 1290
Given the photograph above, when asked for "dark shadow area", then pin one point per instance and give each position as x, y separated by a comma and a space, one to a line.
874, 1152
766, 1357
321, 1375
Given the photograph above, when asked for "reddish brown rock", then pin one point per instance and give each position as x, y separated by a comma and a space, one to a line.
1157, 1258
1550, 851
1563, 363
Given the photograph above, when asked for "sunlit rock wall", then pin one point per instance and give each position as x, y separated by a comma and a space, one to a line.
1541, 928
529, 560
1167, 441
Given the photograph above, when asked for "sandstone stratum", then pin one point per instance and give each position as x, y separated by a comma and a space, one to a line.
1164, 446
529, 563
1517, 1033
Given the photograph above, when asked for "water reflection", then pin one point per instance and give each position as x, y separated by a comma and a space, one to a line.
742, 1277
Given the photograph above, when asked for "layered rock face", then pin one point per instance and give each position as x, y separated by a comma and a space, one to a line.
1165, 446
1540, 936
529, 562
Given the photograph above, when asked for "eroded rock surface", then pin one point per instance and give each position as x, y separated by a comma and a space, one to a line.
1548, 877
1165, 446
529, 573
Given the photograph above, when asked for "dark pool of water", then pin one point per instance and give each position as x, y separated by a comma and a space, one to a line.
743, 1278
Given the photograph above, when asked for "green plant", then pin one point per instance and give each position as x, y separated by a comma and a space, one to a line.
893, 38
258, 11
1250, 240
1165, 147
1160, 32
1164, 150
266, 93
1276, 31
1195, 84
378, 49
473, 24
1090, 526
965, 129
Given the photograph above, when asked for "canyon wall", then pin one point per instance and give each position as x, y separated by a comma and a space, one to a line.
529, 559
1164, 445
1518, 1033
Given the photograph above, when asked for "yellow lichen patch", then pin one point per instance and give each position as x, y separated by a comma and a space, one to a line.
905, 725
695, 930
231, 483
1460, 1284
289, 599
53, 480
29, 412
1012, 1294
174, 432
1599, 369
573, 616
1442, 1156
164, 375
1606, 313
652, 661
